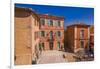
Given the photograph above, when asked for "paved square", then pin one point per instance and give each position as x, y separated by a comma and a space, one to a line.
52, 56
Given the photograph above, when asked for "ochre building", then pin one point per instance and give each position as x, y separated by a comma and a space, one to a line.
51, 32
77, 37
26, 36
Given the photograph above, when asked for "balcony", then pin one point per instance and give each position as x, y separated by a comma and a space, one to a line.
51, 28
50, 39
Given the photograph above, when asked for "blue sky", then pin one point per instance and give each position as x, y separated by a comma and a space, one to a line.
71, 14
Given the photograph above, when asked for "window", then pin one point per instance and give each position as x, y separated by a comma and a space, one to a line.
59, 33
42, 22
59, 24
82, 33
55, 22
42, 33
82, 44
50, 22
51, 35
58, 45
51, 45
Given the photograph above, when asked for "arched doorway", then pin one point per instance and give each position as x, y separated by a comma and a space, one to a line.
51, 45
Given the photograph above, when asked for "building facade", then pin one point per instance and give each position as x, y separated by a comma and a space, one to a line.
51, 32
91, 48
26, 36
77, 37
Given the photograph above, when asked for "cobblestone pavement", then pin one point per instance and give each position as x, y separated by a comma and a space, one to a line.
69, 57
51, 57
